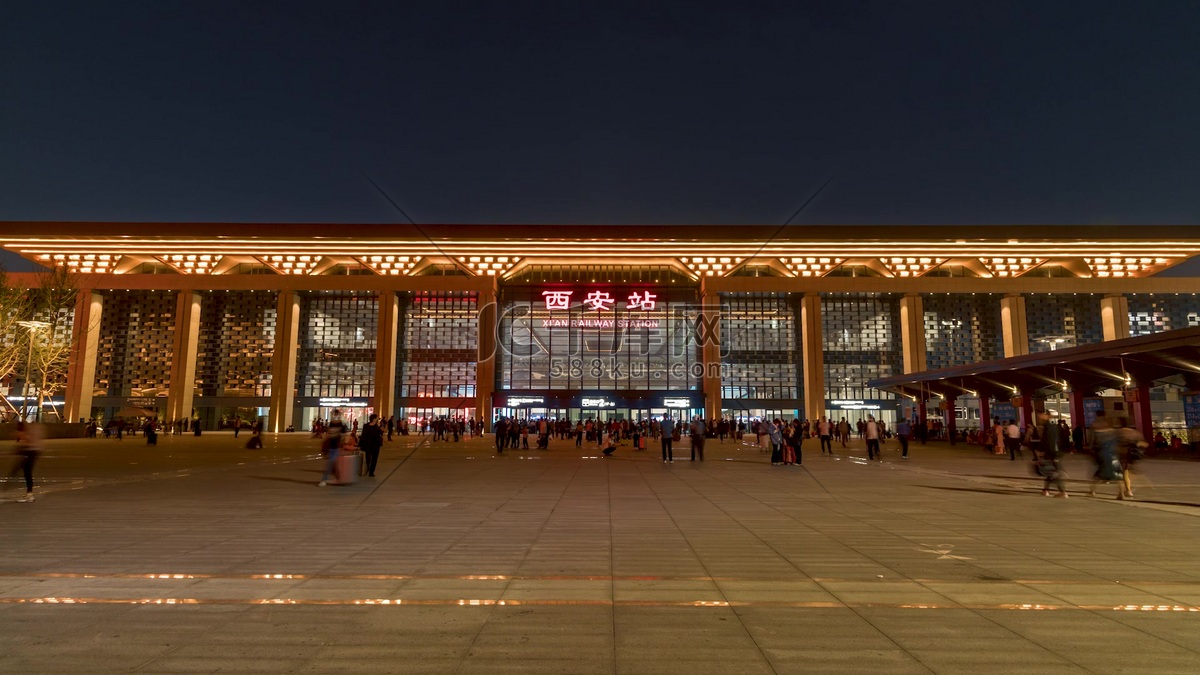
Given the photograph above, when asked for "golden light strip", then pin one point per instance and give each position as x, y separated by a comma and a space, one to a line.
812, 266
83, 263
711, 266
622, 248
191, 263
490, 602
289, 264
1126, 267
389, 265
593, 249
910, 266
489, 265
1010, 266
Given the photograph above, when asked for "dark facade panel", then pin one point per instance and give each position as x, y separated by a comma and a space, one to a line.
137, 341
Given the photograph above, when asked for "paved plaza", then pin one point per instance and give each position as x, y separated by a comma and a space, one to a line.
200, 556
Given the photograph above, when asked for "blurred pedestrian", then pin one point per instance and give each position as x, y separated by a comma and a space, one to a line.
331, 446
1050, 465
871, 434
29, 447
903, 431
1132, 449
1107, 447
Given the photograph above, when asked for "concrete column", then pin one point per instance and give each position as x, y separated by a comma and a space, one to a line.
985, 413
485, 362
710, 354
1012, 320
283, 365
85, 344
1075, 398
951, 417
384, 400
1114, 317
813, 356
1026, 410
1141, 418
912, 332
183, 357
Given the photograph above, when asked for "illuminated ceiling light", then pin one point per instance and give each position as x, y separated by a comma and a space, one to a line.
190, 263
910, 267
294, 265
389, 265
1010, 267
82, 263
1120, 267
811, 266
710, 267
491, 266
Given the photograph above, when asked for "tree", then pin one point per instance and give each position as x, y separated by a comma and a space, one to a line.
14, 307
53, 301
47, 351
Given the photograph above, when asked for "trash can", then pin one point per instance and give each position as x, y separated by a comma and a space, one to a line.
346, 467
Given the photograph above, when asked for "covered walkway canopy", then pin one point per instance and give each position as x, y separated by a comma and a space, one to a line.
1131, 364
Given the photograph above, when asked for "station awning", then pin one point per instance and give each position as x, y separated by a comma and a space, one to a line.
1167, 357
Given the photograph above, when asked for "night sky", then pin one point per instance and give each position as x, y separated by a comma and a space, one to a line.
562, 112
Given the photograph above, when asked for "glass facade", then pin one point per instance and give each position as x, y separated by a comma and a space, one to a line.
614, 348
632, 346
1160, 312
436, 348
236, 343
861, 340
759, 347
961, 329
137, 339
1062, 321
338, 332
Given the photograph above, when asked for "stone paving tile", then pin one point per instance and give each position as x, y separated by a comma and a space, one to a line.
734, 531
846, 660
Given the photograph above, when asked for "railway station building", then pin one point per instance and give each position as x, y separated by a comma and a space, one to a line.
219, 321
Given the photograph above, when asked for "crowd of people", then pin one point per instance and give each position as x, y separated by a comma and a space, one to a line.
1115, 446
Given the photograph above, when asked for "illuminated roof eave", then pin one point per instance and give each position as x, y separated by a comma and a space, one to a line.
1166, 245
613, 248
